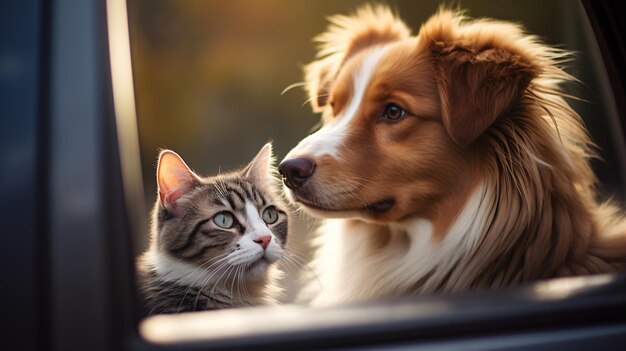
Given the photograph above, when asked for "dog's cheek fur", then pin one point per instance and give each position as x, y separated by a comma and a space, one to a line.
421, 151
422, 154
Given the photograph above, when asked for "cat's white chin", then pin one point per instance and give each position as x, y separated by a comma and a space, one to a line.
258, 270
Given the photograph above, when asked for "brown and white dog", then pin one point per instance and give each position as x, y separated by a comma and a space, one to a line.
447, 161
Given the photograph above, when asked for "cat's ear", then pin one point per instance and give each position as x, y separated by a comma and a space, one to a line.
262, 166
174, 178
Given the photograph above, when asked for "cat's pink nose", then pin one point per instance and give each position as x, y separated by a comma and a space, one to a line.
263, 241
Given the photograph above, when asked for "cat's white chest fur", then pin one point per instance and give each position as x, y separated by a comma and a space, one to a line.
177, 271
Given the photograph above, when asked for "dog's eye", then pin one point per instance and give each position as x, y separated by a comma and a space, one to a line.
394, 112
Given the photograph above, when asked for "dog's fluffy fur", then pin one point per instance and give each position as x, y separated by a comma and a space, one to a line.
482, 182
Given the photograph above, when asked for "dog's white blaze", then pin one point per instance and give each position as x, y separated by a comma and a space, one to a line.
350, 270
327, 140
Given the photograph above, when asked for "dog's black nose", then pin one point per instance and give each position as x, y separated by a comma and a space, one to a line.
296, 171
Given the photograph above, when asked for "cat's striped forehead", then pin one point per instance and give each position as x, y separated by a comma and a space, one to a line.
236, 192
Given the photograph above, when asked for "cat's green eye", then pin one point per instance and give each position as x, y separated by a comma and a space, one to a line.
270, 215
224, 220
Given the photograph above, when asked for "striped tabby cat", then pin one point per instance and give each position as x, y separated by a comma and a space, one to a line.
213, 239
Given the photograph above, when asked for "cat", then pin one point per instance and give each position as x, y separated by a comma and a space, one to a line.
214, 239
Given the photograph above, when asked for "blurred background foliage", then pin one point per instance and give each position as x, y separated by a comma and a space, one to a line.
209, 74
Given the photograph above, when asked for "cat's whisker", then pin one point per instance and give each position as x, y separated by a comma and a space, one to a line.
213, 261
242, 283
238, 285
303, 266
216, 260
206, 281
292, 267
297, 269
299, 253
232, 269
217, 282
232, 283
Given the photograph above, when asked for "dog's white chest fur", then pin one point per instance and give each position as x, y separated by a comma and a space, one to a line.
359, 261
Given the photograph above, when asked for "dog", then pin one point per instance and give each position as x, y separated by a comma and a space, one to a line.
447, 161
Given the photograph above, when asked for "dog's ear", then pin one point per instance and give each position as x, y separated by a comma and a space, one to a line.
480, 71
347, 35
476, 86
